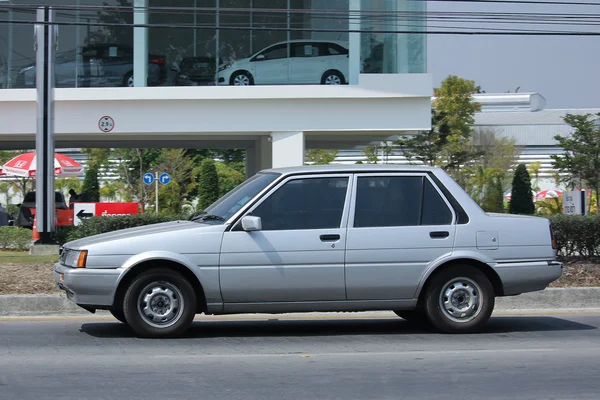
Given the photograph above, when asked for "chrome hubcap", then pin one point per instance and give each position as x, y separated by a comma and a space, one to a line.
130, 81
160, 304
460, 300
333, 80
241, 80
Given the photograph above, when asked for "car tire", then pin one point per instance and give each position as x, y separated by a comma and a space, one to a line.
413, 316
241, 78
128, 79
159, 303
333, 78
459, 299
118, 314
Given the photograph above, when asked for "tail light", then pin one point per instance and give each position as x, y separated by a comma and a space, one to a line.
552, 238
157, 60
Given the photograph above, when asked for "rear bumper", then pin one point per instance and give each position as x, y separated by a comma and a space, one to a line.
525, 277
95, 287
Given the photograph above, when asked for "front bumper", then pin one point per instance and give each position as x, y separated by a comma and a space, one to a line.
94, 287
526, 277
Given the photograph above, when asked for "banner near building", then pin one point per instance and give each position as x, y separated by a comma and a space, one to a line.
82, 211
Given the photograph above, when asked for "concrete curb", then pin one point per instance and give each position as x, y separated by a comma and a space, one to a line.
549, 299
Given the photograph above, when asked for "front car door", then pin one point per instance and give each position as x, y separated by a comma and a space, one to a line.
399, 223
298, 256
271, 67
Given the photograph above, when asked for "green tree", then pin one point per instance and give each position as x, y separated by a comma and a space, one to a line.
448, 144
521, 201
65, 184
581, 157
209, 184
131, 167
493, 200
372, 154
228, 178
320, 156
496, 157
91, 186
184, 179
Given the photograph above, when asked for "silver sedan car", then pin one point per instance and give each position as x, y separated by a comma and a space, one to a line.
317, 238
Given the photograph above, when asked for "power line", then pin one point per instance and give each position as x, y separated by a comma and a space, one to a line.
322, 30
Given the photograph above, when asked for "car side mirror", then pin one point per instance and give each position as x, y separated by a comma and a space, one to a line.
19, 205
251, 223
260, 57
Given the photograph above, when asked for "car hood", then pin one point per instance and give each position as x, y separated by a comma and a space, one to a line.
176, 236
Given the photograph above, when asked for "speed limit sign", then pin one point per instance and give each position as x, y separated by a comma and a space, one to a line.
106, 124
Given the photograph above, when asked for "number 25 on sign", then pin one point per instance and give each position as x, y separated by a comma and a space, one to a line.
106, 124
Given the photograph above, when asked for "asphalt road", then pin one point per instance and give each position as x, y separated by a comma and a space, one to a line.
518, 357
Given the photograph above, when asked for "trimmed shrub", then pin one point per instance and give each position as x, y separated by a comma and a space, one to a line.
91, 186
208, 190
521, 201
15, 238
97, 225
577, 236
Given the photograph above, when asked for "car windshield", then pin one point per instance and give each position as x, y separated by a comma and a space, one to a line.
229, 204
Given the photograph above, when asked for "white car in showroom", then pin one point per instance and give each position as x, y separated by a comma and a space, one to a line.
296, 62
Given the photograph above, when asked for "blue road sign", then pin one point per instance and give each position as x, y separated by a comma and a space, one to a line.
165, 178
148, 178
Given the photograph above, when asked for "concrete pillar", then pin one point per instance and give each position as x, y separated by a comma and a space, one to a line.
259, 157
288, 149
140, 43
354, 42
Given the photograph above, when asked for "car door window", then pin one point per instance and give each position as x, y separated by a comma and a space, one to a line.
304, 50
398, 201
310, 203
435, 210
275, 52
334, 49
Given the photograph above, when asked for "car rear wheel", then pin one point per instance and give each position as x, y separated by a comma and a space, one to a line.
332, 78
160, 303
459, 299
128, 79
118, 314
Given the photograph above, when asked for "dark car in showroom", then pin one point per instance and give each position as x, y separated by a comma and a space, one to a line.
98, 65
195, 71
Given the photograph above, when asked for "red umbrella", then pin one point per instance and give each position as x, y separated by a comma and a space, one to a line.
548, 194
25, 165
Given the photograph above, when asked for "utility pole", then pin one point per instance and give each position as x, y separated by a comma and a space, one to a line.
45, 45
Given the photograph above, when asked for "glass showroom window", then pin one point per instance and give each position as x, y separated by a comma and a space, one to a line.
391, 52
88, 56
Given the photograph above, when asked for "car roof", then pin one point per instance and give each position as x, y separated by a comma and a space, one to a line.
337, 168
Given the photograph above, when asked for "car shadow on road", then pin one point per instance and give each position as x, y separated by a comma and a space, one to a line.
338, 327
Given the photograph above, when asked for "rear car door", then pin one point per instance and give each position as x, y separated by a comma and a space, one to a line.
299, 253
308, 63
399, 223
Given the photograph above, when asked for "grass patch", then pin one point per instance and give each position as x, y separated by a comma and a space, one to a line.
23, 257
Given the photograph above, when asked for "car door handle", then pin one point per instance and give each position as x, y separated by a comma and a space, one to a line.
440, 234
329, 238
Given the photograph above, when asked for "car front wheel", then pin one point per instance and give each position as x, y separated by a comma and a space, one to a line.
459, 299
241, 79
118, 314
160, 303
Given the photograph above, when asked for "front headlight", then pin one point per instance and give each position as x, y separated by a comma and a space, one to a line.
26, 69
74, 258
224, 67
